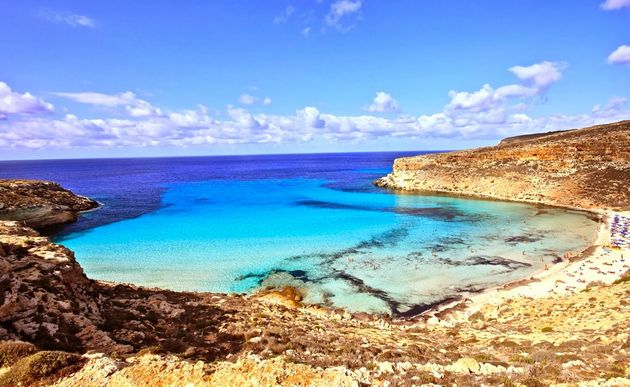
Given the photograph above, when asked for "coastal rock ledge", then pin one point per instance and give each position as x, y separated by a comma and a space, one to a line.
585, 168
40, 203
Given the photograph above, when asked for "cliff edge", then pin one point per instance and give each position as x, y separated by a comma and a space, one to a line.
40, 203
582, 168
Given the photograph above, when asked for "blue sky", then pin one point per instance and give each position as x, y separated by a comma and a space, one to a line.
120, 78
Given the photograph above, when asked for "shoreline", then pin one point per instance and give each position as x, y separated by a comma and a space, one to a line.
476, 196
432, 309
559, 280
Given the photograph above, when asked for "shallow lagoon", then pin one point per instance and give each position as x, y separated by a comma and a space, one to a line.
234, 224
370, 251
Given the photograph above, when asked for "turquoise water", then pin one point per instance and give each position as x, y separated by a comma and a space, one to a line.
239, 223
364, 250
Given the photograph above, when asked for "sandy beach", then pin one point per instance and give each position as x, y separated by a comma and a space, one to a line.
601, 264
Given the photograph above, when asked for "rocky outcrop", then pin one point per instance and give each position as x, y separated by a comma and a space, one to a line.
584, 168
40, 203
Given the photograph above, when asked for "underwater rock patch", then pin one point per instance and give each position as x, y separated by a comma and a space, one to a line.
478, 260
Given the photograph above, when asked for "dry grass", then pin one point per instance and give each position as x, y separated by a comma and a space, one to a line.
12, 351
41, 367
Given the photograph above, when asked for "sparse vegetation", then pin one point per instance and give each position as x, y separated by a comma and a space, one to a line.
12, 351
40, 366
624, 278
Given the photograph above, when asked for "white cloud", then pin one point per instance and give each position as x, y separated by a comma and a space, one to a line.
487, 113
611, 109
384, 103
286, 14
306, 32
615, 4
142, 109
540, 75
493, 102
12, 102
511, 91
247, 99
100, 99
477, 100
341, 9
73, 20
196, 127
620, 56
132, 104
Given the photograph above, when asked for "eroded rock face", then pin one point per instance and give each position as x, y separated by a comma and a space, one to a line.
584, 168
40, 203
45, 297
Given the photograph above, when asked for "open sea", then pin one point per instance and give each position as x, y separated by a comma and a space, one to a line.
314, 221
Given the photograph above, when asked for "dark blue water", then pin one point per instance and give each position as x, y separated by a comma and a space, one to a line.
128, 188
316, 222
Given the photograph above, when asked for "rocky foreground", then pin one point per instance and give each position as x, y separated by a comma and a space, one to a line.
58, 327
585, 168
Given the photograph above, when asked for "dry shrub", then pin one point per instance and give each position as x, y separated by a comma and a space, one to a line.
12, 351
543, 356
624, 278
45, 365
594, 284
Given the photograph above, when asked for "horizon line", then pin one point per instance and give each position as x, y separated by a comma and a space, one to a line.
230, 155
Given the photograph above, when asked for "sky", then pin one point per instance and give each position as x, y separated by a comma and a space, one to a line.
168, 78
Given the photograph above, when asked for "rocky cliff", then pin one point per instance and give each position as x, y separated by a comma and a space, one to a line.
585, 168
58, 327
40, 203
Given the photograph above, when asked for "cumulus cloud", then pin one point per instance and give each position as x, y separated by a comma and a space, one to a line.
488, 113
620, 56
12, 102
536, 79
540, 75
493, 111
383, 103
73, 20
284, 16
342, 9
615, 4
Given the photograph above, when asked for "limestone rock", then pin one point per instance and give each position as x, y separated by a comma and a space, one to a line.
583, 168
